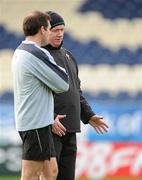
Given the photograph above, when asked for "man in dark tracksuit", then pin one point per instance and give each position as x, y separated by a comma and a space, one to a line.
70, 106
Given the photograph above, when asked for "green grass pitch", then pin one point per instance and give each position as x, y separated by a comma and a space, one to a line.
9, 178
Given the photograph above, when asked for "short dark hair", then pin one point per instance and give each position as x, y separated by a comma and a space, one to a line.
33, 22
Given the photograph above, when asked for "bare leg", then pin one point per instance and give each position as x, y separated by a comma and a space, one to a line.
50, 170
31, 170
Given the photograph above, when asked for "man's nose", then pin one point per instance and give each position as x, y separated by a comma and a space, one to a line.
60, 34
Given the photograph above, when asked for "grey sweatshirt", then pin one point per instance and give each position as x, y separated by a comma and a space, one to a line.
35, 76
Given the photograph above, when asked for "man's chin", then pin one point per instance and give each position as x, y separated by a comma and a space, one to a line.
58, 44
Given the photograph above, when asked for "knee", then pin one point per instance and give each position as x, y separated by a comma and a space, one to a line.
31, 173
50, 174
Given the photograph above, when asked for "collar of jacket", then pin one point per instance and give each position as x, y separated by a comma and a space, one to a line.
49, 46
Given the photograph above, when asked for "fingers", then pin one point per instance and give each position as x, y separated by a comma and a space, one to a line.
57, 127
60, 127
60, 117
97, 131
100, 129
57, 130
98, 117
98, 124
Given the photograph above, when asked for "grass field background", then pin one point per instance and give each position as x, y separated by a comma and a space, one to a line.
9, 178
116, 178
18, 178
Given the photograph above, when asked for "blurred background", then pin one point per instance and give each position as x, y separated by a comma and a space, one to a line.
105, 37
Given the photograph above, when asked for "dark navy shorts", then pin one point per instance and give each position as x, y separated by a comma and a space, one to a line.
37, 144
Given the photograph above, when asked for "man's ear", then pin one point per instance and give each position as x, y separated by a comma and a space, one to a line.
42, 29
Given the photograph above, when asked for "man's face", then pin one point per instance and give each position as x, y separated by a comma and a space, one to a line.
55, 36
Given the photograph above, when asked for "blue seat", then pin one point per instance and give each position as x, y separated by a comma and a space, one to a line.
7, 97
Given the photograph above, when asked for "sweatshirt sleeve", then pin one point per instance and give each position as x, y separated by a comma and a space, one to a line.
51, 75
43, 68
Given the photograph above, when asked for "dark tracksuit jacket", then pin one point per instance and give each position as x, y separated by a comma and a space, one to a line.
72, 103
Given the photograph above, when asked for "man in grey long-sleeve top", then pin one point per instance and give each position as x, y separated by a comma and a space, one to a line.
35, 77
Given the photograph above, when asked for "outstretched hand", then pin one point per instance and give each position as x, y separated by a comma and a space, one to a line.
57, 126
97, 123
